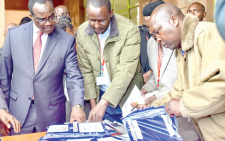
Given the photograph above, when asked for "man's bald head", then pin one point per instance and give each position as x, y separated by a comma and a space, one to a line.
7, 28
197, 9
61, 10
165, 25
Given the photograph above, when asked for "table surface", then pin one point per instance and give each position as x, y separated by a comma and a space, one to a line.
25, 137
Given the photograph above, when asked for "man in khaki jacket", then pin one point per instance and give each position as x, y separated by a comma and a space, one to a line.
199, 92
108, 47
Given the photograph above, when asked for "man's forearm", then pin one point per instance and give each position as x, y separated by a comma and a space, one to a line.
93, 103
104, 103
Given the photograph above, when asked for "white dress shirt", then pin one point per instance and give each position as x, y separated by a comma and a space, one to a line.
102, 38
44, 38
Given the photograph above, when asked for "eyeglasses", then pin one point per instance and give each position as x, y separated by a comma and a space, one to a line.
44, 21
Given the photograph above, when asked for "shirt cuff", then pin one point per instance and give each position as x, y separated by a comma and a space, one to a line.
184, 111
5, 109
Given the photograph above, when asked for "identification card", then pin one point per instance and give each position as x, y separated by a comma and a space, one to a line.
102, 80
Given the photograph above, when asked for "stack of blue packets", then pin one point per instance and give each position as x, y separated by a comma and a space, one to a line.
151, 124
76, 132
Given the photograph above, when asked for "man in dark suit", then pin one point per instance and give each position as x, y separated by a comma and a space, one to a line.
36, 54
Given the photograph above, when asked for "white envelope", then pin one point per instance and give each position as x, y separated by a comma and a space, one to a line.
135, 96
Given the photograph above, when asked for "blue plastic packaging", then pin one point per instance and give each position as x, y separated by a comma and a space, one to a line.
151, 124
74, 132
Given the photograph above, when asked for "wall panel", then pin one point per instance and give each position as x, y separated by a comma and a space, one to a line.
76, 11
183, 5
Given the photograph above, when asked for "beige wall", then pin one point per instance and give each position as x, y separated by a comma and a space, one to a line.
209, 6
15, 16
183, 5
9, 16
2, 21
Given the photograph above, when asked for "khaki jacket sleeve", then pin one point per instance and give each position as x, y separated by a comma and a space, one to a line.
86, 69
125, 70
209, 96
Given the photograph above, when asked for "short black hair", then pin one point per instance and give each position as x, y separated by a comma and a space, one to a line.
32, 2
199, 4
149, 8
25, 20
99, 4
152, 0
64, 22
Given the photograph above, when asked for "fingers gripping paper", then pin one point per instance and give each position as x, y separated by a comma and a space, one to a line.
135, 96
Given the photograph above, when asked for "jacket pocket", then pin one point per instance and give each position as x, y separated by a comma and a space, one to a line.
58, 99
13, 95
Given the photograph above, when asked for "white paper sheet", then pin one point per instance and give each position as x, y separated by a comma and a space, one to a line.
58, 128
135, 96
91, 127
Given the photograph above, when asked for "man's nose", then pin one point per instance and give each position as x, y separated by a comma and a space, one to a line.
48, 22
97, 25
193, 12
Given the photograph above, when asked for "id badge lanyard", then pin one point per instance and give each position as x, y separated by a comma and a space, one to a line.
159, 66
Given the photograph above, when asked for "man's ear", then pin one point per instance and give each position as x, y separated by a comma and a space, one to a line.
111, 13
204, 14
30, 15
174, 20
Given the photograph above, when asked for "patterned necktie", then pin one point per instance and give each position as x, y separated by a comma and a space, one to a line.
37, 50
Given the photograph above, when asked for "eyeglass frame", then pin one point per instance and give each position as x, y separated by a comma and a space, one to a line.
45, 20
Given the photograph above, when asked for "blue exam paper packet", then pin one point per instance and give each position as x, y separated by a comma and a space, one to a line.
76, 131
151, 124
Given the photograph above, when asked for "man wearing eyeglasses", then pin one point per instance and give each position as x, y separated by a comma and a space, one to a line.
36, 54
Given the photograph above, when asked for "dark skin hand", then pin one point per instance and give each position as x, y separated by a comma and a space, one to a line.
98, 111
93, 103
148, 101
173, 107
5, 118
78, 115
146, 76
3, 129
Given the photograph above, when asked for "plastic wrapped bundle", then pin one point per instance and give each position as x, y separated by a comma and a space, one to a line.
151, 124
76, 131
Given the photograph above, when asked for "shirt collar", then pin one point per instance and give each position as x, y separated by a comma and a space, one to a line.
35, 29
106, 30
109, 26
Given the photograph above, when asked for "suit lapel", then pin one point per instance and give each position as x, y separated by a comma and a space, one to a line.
166, 57
28, 44
49, 46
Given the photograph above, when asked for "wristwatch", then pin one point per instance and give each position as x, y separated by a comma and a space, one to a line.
79, 106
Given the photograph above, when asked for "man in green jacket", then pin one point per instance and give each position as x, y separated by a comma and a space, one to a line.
108, 47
